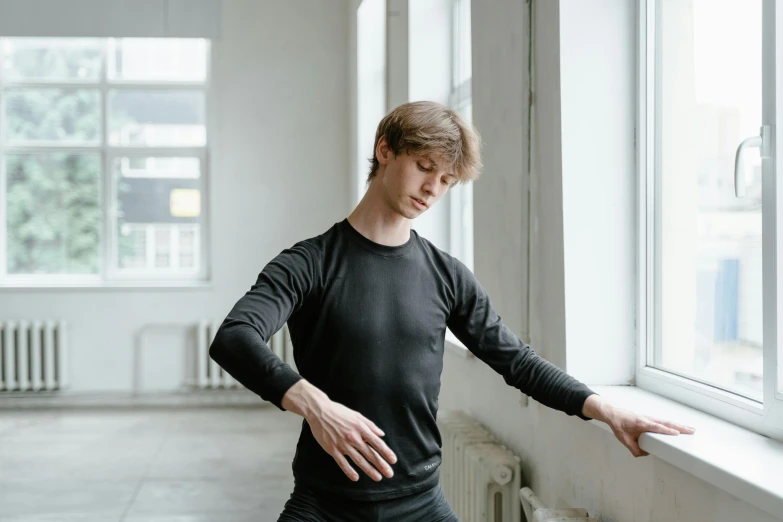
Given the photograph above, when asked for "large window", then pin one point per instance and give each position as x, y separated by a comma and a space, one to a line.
708, 200
102, 159
461, 234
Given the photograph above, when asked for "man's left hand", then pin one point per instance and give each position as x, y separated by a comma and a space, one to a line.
627, 426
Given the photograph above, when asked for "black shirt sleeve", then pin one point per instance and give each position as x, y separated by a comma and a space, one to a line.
475, 323
240, 345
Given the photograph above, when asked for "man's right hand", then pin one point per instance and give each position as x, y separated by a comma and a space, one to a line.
341, 431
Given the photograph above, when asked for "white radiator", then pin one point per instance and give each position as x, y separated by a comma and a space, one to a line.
33, 355
535, 511
210, 375
480, 477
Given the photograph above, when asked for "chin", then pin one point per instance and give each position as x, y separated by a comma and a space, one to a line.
404, 212
416, 212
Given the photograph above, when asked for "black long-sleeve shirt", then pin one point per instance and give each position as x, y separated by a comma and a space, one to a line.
367, 322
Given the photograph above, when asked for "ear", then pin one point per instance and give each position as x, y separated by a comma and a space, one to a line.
382, 152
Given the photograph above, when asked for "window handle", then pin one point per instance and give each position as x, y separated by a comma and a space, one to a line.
763, 142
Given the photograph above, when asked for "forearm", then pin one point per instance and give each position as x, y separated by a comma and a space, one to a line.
243, 354
542, 380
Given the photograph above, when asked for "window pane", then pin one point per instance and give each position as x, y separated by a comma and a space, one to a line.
26, 59
52, 115
159, 167
53, 213
157, 118
466, 110
158, 59
465, 69
709, 306
187, 247
162, 249
159, 195
132, 247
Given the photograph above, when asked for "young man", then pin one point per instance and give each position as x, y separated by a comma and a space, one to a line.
367, 304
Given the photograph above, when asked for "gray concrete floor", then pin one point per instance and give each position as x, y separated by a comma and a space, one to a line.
146, 465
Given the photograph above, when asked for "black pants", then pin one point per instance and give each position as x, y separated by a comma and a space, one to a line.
307, 505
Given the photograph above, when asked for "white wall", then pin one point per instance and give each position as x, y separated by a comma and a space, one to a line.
279, 173
567, 461
500, 199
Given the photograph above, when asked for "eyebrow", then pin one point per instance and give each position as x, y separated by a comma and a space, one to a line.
433, 164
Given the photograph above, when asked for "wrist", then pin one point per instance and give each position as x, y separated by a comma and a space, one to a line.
596, 407
304, 399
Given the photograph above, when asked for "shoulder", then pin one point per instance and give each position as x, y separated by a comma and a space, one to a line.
435, 254
314, 246
451, 268
313, 252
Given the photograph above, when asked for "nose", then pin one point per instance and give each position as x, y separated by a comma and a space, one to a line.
430, 187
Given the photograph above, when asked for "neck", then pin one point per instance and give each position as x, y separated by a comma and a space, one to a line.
377, 221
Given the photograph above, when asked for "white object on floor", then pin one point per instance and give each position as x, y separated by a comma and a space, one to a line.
535, 511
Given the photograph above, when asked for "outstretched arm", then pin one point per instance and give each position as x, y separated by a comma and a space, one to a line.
474, 322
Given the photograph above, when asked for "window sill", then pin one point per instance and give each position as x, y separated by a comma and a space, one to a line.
113, 285
734, 459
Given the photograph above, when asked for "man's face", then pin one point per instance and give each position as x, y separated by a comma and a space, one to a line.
409, 178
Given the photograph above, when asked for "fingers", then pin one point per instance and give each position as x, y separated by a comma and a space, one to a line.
360, 443
358, 438
363, 464
681, 428
381, 447
364, 456
347, 469
660, 428
633, 445
346, 447
629, 433
630, 437
372, 455
648, 424
359, 461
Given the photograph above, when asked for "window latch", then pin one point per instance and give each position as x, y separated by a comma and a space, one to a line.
764, 142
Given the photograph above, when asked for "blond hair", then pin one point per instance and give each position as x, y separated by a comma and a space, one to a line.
426, 127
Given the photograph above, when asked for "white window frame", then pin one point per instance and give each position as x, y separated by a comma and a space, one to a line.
151, 251
460, 196
109, 273
767, 417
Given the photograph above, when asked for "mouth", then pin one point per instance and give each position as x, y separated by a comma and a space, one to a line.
419, 202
